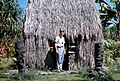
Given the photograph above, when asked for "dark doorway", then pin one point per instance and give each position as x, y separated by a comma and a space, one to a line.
66, 56
52, 54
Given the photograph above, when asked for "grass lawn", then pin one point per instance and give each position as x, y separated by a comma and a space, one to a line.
59, 78
12, 75
56, 77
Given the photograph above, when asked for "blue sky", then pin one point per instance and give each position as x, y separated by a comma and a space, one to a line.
108, 1
23, 4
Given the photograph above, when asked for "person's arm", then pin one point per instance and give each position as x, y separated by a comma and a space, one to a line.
56, 47
64, 46
56, 40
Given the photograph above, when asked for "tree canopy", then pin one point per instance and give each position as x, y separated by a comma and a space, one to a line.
110, 18
11, 19
11, 25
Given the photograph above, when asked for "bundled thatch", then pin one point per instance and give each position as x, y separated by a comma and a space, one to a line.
44, 18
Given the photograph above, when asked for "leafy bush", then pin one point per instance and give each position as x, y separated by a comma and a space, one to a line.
83, 71
116, 66
111, 51
103, 78
112, 55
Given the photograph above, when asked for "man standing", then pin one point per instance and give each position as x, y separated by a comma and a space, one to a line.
59, 46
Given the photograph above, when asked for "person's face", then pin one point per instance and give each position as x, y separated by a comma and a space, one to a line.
61, 33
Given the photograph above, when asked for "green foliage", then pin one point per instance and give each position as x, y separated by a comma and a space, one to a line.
83, 71
115, 68
11, 26
111, 52
11, 19
5, 64
110, 16
115, 76
103, 78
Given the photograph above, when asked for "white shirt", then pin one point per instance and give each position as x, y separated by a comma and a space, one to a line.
60, 41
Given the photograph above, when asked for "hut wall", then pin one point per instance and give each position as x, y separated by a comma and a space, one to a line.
44, 19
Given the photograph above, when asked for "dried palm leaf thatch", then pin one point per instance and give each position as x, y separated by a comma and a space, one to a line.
44, 19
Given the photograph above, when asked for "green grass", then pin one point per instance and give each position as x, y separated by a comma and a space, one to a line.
56, 77
60, 78
5, 75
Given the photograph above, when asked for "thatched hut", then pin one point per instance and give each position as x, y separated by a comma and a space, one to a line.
44, 19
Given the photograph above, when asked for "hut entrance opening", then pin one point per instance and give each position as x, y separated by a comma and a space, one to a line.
69, 57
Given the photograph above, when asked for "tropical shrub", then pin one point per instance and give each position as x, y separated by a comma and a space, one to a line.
111, 53
11, 26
